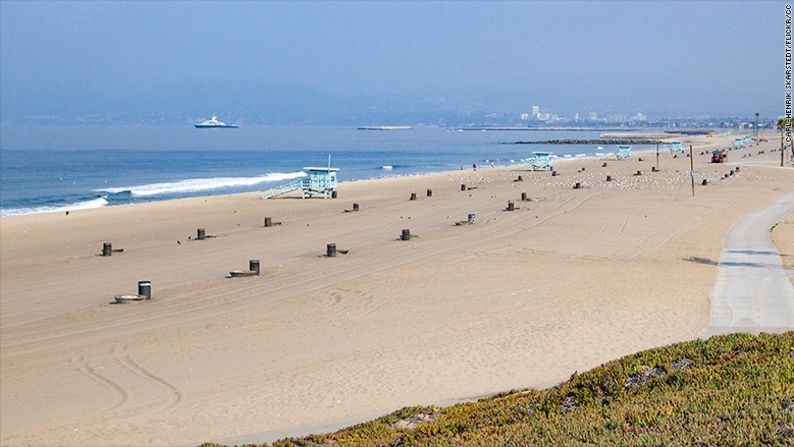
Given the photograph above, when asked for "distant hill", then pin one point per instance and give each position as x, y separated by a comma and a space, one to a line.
728, 390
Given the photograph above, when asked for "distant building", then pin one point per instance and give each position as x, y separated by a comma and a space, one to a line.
576, 116
535, 112
592, 116
524, 117
639, 117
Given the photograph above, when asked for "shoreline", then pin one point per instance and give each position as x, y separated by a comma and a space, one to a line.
567, 281
79, 206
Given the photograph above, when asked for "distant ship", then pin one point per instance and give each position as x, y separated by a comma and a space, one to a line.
384, 128
213, 123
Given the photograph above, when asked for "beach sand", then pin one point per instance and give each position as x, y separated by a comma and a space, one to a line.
519, 299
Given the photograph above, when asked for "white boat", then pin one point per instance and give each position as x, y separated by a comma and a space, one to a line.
214, 123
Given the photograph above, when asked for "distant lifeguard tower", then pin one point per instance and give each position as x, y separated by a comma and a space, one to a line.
738, 142
676, 147
541, 161
624, 152
319, 182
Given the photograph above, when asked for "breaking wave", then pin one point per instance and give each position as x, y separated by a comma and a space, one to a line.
201, 184
98, 202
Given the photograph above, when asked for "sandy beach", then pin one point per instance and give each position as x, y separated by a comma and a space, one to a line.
567, 281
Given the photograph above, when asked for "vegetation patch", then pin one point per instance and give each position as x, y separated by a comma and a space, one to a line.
727, 390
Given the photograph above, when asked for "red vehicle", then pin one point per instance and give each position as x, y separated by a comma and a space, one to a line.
719, 156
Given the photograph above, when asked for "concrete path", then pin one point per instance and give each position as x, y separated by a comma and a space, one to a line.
753, 292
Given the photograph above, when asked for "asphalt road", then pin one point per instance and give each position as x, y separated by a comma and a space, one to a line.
753, 292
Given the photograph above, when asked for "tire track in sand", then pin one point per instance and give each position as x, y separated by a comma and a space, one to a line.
620, 232
129, 363
87, 370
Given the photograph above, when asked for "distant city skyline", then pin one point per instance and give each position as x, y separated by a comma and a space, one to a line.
319, 63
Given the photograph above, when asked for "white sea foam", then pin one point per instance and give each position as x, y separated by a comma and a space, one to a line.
202, 184
99, 202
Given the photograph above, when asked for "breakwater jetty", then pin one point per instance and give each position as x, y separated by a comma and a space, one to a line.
602, 141
536, 129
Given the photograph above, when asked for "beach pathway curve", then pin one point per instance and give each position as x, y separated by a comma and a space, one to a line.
753, 292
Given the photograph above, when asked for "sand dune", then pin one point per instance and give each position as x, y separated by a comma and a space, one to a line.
523, 298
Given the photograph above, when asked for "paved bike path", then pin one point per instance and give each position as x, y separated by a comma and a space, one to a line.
753, 292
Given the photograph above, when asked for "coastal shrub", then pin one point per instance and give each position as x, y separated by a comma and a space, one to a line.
727, 390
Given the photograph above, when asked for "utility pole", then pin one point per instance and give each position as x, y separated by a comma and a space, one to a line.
755, 126
657, 155
692, 169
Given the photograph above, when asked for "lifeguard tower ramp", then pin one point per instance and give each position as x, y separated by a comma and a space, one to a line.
282, 189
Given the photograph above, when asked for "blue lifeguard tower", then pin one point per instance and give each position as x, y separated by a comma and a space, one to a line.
541, 161
624, 152
676, 147
319, 182
738, 142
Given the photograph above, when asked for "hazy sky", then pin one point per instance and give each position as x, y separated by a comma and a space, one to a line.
301, 58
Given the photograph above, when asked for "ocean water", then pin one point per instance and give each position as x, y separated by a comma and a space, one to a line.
60, 168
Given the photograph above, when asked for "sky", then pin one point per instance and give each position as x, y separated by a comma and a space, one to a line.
283, 62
